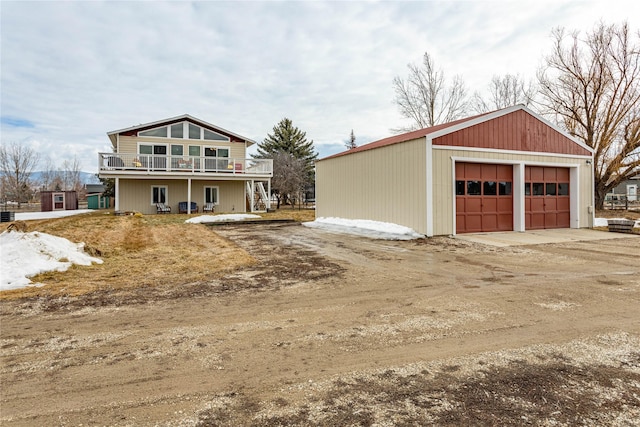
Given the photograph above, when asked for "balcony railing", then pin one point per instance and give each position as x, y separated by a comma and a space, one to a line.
115, 162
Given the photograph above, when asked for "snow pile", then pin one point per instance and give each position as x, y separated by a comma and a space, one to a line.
603, 222
25, 216
23, 255
223, 217
365, 227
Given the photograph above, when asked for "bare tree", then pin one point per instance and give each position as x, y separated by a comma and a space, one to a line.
17, 163
425, 97
351, 143
592, 87
504, 91
71, 175
48, 175
290, 176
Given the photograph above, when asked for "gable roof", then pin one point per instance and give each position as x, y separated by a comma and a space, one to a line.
185, 117
447, 128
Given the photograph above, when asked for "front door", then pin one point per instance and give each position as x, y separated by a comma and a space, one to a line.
58, 201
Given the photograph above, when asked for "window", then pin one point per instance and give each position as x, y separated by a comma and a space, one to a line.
145, 149
194, 131
459, 188
194, 150
563, 189
176, 150
177, 130
551, 189
159, 194
211, 195
473, 188
216, 152
538, 189
527, 188
158, 132
490, 188
212, 136
504, 188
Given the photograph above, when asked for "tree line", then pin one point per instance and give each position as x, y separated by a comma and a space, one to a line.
17, 165
589, 85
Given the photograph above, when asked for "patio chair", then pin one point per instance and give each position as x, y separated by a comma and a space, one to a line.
208, 207
161, 208
182, 207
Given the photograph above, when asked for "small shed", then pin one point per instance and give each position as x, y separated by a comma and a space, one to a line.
58, 201
98, 201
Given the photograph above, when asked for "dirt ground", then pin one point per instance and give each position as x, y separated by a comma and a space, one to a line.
328, 329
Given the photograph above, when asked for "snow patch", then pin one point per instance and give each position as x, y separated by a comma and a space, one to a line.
223, 217
603, 222
26, 216
365, 227
23, 255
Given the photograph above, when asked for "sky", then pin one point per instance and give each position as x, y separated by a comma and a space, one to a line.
72, 71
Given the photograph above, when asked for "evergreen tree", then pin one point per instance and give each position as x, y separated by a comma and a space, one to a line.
289, 139
293, 160
352, 141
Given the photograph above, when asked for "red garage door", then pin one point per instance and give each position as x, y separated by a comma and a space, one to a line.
547, 203
483, 197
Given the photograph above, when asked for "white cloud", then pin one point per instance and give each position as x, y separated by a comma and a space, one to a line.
77, 70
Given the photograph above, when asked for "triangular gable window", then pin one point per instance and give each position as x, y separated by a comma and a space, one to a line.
157, 132
184, 130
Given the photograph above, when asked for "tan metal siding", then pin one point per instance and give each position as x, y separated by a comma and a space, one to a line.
386, 184
129, 144
135, 195
443, 181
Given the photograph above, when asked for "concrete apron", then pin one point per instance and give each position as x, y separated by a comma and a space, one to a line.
537, 237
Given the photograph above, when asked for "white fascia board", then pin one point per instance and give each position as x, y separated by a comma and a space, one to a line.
504, 112
520, 153
429, 185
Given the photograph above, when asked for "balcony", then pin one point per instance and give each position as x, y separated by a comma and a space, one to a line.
131, 165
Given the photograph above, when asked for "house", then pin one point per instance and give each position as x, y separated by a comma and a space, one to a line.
185, 161
505, 170
629, 188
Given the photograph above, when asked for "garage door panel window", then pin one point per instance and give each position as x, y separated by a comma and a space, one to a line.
473, 188
550, 189
538, 188
460, 188
563, 189
490, 188
504, 188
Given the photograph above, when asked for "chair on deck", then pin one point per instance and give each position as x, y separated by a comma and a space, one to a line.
182, 207
208, 207
161, 208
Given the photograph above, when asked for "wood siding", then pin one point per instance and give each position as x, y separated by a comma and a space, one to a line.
135, 195
518, 131
386, 184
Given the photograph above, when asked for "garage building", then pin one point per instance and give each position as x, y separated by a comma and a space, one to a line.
505, 170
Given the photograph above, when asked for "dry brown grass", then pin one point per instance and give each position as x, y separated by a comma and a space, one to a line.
286, 212
137, 251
